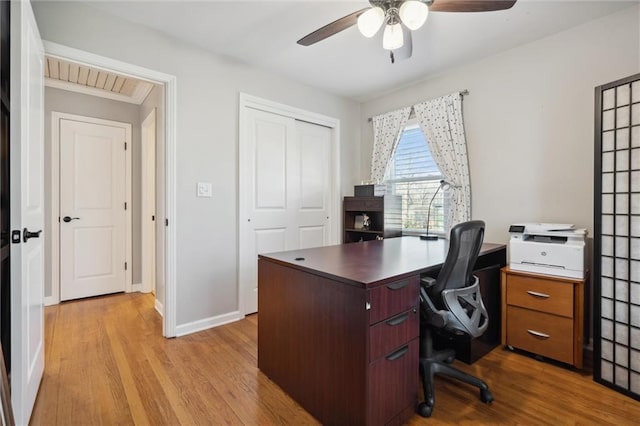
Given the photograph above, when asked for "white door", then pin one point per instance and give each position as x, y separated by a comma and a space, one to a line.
148, 232
313, 184
93, 208
27, 210
287, 191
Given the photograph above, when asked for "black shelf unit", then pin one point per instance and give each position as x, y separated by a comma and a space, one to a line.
385, 213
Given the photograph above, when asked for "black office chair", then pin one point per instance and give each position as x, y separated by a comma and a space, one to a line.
452, 302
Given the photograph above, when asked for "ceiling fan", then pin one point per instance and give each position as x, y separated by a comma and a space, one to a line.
400, 18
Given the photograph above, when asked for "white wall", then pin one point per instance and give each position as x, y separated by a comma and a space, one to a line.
529, 121
207, 140
90, 106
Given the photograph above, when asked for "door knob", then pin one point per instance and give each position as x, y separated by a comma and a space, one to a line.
26, 234
69, 219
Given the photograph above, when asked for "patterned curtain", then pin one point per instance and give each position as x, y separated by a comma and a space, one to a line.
386, 132
441, 121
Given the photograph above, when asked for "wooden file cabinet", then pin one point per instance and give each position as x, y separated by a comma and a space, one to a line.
543, 314
347, 354
394, 331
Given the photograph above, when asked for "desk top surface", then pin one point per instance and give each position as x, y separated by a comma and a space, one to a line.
371, 262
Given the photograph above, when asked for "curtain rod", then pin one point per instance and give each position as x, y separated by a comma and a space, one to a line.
463, 93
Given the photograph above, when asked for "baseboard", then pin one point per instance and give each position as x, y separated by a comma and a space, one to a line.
159, 307
50, 300
206, 323
136, 287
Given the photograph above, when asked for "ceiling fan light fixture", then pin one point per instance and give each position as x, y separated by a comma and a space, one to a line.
413, 14
393, 37
370, 21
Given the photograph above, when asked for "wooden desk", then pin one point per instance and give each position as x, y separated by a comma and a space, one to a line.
339, 325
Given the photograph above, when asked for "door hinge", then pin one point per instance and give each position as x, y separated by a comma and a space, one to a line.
153, 218
125, 266
166, 222
125, 146
125, 205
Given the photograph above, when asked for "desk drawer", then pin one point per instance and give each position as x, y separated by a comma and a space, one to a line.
393, 383
544, 334
393, 333
541, 295
393, 298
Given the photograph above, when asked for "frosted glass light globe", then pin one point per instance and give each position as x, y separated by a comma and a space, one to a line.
413, 14
393, 38
370, 21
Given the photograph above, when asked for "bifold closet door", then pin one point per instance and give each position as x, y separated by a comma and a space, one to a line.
287, 191
617, 236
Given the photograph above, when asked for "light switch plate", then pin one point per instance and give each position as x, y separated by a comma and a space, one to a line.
204, 189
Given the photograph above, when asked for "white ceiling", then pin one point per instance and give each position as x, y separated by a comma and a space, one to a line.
264, 34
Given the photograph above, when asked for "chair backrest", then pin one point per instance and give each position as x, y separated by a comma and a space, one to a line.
464, 246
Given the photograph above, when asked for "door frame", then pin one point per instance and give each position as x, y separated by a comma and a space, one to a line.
170, 105
55, 198
148, 229
246, 102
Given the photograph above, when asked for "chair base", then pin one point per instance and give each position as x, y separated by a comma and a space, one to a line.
438, 362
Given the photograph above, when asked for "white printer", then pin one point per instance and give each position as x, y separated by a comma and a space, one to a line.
548, 248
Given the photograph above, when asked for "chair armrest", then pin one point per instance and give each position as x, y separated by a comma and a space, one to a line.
428, 311
427, 282
468, 313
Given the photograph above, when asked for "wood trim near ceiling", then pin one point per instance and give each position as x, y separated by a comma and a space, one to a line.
139, 95
92, 81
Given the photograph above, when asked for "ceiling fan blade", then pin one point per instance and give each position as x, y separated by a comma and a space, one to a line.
406, 50
470, 5
332, 28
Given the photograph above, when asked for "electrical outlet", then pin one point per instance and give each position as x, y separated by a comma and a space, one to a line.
204, 189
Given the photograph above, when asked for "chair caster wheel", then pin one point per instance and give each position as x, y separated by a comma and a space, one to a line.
424, 410
450, 359
486, 396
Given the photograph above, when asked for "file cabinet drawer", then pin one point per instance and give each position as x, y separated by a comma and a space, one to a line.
541, 333
394, 383
393, 298
541, 295
393, 333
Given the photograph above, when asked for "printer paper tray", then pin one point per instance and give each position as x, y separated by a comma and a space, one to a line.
565, 260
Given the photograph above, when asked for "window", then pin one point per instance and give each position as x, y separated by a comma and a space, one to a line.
414, 175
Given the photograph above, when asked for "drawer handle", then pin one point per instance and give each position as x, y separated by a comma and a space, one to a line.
538, 334
399, 319
398, 354
398, 285
536, 294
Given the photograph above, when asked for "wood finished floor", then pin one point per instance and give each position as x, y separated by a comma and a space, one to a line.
106, 363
